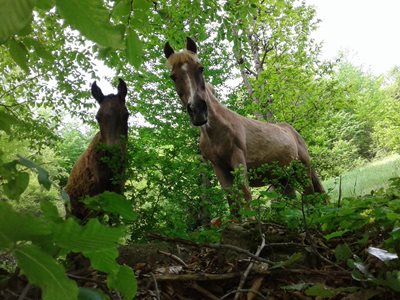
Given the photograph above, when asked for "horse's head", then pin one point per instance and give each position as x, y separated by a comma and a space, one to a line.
112, 115
187, 74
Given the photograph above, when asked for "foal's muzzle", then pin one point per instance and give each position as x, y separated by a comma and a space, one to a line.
198, 112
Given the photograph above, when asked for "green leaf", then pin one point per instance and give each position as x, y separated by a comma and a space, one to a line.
91, 18
40, 50
14, 15
91, 294
43, 175
342, 252
16, 227
45, 4
335, 234
134, 49
96, 241
142, 4
295, 287
16, 185
290, 261
43, 270
112, 203
6, 120
91, 237
19, 54
319, 290
49, 210
121, 10
124, 281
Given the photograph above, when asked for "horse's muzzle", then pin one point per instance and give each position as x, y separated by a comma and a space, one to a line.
198, 112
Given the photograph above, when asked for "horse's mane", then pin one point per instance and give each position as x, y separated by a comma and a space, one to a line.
181, 57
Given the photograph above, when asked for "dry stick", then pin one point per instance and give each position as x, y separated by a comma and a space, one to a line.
243, 291
174, 257
24, 292
255, 287
197, 276
308, 237
156, 286
249, 267
212, 246
340, 191
203, 291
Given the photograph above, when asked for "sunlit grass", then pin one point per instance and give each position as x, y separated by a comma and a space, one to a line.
363, 180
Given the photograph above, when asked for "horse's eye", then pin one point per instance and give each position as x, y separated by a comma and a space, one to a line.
201, 69
173, 77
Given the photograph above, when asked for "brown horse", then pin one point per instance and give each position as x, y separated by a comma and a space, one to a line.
102, 166
229, 140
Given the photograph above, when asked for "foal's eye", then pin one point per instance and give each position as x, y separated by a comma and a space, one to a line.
173, 77
201, 69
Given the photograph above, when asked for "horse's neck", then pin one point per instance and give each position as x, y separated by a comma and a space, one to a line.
218, 114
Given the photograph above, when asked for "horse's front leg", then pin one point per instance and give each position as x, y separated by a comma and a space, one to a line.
239, 165
225, 178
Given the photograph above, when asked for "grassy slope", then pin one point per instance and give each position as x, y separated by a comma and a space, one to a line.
363, 180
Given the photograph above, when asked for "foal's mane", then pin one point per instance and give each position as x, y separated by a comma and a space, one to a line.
181, 57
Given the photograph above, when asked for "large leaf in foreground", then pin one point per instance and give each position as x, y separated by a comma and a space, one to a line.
43, 270
96, 241
124, 281
43, 175
134, 49
91, 18
112, 203
14, 16
15, 227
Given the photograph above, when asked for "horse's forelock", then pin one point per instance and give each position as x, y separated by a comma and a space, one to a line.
181, 57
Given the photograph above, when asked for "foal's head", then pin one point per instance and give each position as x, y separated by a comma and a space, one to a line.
187, 74
112, 115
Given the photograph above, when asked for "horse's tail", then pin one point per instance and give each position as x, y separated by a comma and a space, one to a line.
317, 185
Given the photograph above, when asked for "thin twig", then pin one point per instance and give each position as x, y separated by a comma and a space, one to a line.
249, 267
243, 291
212, 246
174, 257
340, 192
156, 286
203, 291
24, 292
198, 277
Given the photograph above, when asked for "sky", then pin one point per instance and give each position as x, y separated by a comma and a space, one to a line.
368, 30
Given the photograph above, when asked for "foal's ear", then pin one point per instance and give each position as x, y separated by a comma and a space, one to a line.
122, 89
168, 51
191, 45
97, 93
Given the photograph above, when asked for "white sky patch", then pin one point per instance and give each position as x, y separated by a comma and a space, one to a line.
366, 29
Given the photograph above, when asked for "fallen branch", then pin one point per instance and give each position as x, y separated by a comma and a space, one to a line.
174, 257
212, 246
197, 276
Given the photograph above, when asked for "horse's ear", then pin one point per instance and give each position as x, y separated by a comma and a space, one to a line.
122, 89
97, 93
168, 51
191, 45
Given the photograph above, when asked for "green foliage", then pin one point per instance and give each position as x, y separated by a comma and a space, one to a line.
16, 15
43, 270
345, 115
91, 18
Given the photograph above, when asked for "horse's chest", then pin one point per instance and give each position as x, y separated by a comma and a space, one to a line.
216, 150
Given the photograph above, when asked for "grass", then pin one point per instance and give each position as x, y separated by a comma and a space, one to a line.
363, 180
